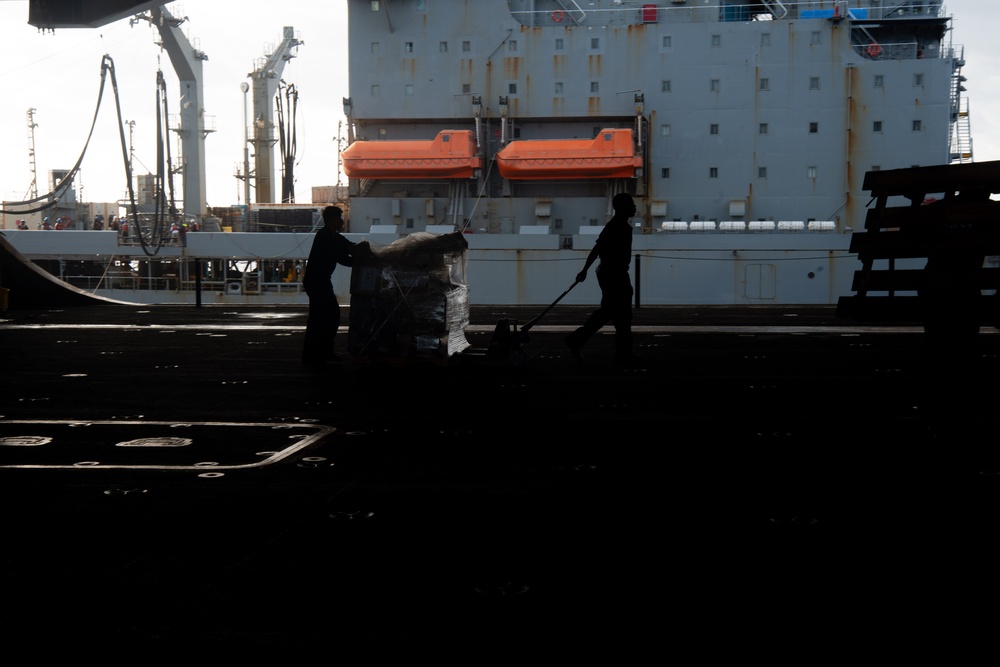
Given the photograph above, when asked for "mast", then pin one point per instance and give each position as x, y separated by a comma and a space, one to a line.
33, 187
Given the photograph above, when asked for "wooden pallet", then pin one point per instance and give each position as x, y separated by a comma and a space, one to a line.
952, 223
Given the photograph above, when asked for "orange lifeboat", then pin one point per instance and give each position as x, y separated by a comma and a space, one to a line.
451, 154
611, 155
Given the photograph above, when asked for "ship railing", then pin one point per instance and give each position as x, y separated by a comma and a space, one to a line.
91, 283
787, 9
908, 8
854, 9
894, 51
777, 8
571, 10
236, 286
170, 283
283, 287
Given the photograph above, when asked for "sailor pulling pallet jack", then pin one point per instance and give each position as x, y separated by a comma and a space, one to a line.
614, 250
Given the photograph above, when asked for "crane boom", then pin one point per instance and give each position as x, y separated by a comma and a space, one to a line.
265, 80
187, 62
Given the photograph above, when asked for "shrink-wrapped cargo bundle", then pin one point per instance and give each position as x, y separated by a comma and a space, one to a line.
409, 298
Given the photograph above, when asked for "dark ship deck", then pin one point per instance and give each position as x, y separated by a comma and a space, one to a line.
773, 481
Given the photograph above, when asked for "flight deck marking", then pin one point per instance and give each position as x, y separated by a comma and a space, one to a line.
149, 445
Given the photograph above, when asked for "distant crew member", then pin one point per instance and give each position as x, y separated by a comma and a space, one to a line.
329, 249
46, 224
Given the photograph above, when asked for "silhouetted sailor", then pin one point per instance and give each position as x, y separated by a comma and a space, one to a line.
329, 248
614, 249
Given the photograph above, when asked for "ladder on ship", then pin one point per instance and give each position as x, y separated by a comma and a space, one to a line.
960, 140
961, 135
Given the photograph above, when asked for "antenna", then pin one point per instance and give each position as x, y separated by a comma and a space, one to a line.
33, 188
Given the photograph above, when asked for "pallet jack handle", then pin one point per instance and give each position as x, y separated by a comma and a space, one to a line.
552, 305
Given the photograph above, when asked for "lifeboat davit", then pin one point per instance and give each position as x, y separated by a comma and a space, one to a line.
611, 155
451, 154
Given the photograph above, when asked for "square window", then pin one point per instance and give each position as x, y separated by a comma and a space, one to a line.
407, 47
408, 89
466, 46
814, 37
664, 130
813, 128
374, 5
375, 47
762, 128
878, 81
765, 39
877, 126
512, 89
595, 43
666, 41
409, 223
761, 172
714, 85
559, 88
665, 172
375, 90
512, 45
595, 87
665, 86
765, 84
716, 40
713, 172
917, 126
713, 128
560, 44
811, 172
918, 79
442, 47
814, 83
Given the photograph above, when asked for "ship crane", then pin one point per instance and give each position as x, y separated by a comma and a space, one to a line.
187, 62
265, 80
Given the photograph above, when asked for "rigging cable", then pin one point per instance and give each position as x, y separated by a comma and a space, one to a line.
286, 137
51, 199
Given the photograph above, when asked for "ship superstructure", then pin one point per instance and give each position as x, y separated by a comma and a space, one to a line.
744, 131
716, 115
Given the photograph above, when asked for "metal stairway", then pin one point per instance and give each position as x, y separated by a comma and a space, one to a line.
960, 139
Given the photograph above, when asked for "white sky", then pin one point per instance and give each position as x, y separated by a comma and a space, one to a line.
58, 75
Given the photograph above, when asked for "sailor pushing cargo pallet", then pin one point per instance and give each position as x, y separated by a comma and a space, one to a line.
614, 250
